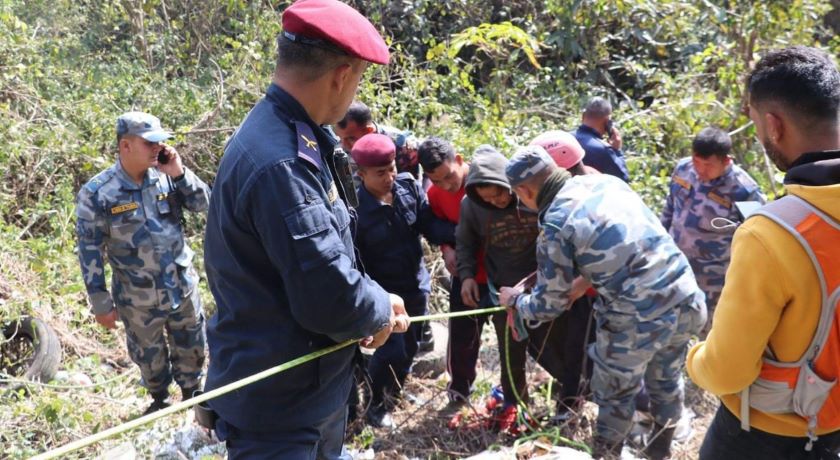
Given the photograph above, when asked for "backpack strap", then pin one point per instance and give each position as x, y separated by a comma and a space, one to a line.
789, 213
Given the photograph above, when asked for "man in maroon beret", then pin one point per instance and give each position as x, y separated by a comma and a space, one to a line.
392, 214
278, 233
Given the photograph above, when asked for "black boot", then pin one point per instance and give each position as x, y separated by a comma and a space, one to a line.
427, 338
158, 402
606, 449
659, 448
189, 392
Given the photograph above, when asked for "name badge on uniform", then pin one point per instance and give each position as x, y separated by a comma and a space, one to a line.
121, 208
721, 200
333, 193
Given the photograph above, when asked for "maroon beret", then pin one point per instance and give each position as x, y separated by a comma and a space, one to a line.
374, 150
314, 21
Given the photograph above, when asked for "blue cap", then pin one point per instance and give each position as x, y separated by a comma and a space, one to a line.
527, 162
141, 124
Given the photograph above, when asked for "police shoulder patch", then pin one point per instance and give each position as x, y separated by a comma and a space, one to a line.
307, 144
99, 180
121, 208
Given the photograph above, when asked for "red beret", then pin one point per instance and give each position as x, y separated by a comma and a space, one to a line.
337, 23
374, 150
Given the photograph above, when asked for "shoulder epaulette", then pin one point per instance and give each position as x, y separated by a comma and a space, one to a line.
681, 182
99, 180
307, 144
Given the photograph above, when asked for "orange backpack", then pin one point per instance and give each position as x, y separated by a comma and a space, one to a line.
806, 387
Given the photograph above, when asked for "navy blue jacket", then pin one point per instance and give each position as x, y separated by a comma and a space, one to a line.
280, 263
601, 155
388, 236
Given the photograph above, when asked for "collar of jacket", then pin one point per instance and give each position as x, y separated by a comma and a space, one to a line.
369, 203
815, 169
590, 130
291, 109
151, 177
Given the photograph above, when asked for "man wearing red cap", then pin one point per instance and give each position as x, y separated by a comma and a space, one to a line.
393, 213
278, 234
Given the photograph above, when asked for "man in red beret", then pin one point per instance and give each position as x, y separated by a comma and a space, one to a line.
392, 214
278, 233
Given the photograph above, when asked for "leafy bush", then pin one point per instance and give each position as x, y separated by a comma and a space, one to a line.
474, 72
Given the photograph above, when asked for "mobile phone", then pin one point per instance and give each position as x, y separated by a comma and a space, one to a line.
163, 158
609, 129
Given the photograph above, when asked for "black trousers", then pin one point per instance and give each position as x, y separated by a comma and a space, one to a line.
725, 440
558, 346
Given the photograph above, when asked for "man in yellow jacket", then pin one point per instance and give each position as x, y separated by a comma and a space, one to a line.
772, 297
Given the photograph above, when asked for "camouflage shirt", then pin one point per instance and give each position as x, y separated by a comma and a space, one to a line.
138, 228
598, 228
692, 204
406, 149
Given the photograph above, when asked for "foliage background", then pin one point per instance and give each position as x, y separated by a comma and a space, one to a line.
472, 71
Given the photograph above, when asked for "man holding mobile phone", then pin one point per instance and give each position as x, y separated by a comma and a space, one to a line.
131, 213
601, 140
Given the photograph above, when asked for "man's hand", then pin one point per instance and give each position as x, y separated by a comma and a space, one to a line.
507, 295
614, 139
175, 166
579, 288
108, 320
470, 294
398, 323
399, 318
449, 260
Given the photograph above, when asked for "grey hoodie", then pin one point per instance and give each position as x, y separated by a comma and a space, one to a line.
508, 236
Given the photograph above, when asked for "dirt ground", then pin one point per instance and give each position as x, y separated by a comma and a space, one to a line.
422, 420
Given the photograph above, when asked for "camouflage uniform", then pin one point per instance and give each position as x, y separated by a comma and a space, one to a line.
598, 228
690, 207
153, 282
406, 144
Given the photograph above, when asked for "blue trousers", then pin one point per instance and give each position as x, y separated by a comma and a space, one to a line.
324, 441
391, 362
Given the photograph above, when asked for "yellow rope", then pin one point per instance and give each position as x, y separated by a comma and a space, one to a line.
119, 429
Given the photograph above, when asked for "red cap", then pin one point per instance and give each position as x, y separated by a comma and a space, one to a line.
336, 23
374, 150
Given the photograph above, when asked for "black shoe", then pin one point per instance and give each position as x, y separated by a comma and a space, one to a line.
659, 448
189, 392
380, 418
427, 338
158, 403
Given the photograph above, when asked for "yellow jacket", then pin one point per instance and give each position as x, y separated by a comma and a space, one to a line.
771, 298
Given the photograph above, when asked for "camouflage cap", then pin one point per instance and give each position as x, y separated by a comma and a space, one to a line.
526, 163
141, 124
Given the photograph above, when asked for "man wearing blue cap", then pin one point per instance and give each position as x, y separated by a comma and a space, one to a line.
131, 213
279, 249
595, 229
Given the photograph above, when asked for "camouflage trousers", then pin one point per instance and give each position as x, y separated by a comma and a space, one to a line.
625, 352
165, 342
710, 276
